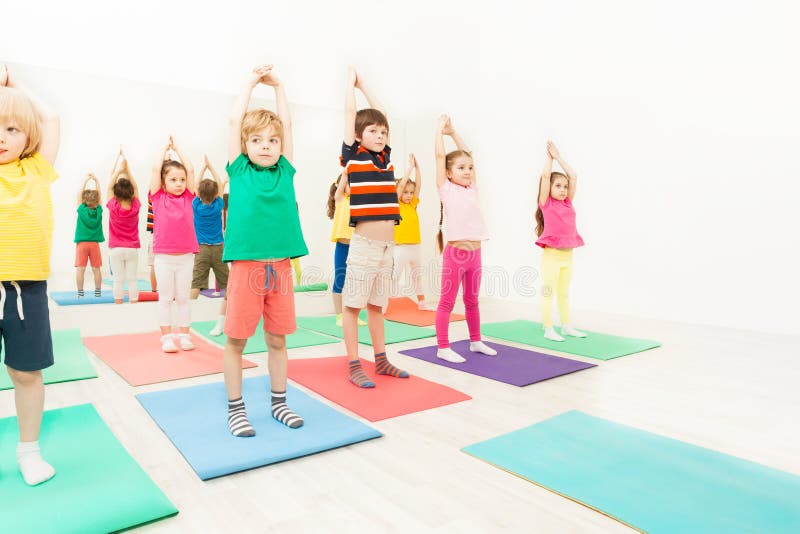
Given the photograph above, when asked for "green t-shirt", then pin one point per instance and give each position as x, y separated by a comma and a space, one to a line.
90, 224
263, 222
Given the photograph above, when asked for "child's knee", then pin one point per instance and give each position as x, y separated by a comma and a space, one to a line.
275, 342
25, 379
547, 292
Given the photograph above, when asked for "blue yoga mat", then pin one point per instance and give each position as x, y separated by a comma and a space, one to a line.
70, 298
196, 420
647, 481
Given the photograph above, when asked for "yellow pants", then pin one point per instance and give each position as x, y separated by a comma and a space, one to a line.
556, 276
298, 272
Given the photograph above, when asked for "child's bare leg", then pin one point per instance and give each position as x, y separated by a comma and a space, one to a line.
29, 398
376, 332
98, 278
80, 274
238, 424
278, 365
350, 331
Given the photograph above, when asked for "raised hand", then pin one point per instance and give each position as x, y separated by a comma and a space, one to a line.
352, 76
552, 150
3, 76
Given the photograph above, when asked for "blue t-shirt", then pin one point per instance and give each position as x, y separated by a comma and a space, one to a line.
208, 221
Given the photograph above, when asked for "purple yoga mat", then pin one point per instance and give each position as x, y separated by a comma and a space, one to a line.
210, 293
518, 367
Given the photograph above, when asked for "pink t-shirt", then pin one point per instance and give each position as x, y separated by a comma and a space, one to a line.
559, 225
462, 209
123, 225
174, 232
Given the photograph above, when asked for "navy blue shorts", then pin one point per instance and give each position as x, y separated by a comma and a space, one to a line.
26, 343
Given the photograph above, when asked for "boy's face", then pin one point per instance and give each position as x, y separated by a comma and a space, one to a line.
374, 137
559, 188
461, 172
264, 147
12, 141
175, 181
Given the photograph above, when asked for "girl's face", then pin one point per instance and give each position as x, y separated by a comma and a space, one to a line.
407, 194
374, 138
461, 171
559, 188
264, 147
12, 141
175, 181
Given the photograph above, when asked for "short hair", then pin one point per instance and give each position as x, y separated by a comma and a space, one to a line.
123, 189
256, 120
368, 117
90, 196
208, 190
17, 107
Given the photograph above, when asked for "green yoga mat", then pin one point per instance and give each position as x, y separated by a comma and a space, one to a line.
394, 332
649, 482
143, 285
71, 361
98, 487
594, 345
322, 286
256, 343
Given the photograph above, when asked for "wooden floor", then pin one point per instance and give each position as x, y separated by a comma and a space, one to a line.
732, 391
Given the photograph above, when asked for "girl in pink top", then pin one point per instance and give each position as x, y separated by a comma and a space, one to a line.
458, 191
123, 229
555, 226
174, 242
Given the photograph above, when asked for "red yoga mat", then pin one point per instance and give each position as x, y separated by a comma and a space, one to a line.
405, 310
138, 358
389, 398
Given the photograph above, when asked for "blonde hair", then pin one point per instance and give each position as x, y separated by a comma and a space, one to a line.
16, 106
256, 120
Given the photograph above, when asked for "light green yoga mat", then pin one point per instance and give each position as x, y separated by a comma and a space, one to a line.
394, 332
322, 286
256, 343
594, 345
143, 285
98, 487
650, 482
71, 361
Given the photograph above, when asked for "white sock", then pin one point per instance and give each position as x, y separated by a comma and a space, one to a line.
185, 341
217, 330
567, 330
450, 356
33, 467
550, 333
480, 346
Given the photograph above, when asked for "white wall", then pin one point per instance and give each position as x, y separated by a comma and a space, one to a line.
681, 119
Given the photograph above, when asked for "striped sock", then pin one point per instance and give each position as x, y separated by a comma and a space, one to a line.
282, 413
96, 292
80, 292
358, 377
383, 367
237, 419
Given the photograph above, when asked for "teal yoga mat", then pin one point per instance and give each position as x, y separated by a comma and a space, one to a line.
71, 361
98, 487
143, 285
394, 332
650, 482
256, 343
594, 345
321, 286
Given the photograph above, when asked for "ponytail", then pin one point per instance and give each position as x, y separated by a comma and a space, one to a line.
439, 237
332, 197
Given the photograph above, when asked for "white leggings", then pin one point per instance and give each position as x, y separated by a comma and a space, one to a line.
408, 256
174, 277
124, 264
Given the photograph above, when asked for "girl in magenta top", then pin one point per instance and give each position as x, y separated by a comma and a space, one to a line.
123, 229
558, 235
174, 242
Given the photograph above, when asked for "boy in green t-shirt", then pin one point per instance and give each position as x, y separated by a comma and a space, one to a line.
89, 235
262, 234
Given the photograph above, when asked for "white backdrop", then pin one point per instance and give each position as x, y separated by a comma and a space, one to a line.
681, 119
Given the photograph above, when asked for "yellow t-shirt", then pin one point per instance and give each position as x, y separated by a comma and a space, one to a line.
26, 219
407, 232
341, 221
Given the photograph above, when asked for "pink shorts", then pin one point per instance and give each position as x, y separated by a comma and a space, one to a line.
88, 252
259, 289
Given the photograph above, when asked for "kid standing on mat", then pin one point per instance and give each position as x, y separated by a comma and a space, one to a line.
89, 235
374, 213
339, 212
458, 191
407, 253
262, 234
174, 243
558, 235
208, 206
123, 229
29, 139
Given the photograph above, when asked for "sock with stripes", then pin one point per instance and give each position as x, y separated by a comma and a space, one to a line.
80, 293
97, 292
358, 376
238, 423
383, 367
282, 413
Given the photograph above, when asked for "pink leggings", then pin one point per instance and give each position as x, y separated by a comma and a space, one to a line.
459, 268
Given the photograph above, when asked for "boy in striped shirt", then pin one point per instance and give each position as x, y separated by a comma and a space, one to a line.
374, 212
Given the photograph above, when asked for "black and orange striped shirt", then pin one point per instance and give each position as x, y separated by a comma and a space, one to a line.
373, 193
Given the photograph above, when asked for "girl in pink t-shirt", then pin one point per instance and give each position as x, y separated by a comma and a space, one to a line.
174, 242
558, 235
458, 191
123, 229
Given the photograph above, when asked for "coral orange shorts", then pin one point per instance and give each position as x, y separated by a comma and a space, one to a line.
259, 289
88, 252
